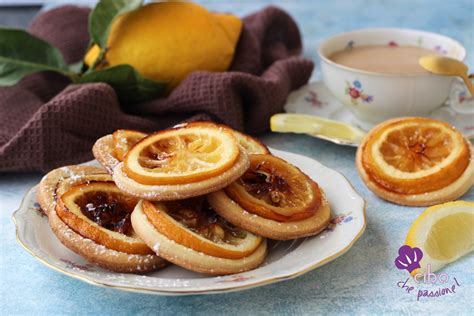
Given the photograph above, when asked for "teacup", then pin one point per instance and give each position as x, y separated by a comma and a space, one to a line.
374, 97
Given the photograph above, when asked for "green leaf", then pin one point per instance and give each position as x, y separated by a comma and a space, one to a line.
129, 84
104, 14
22, 54
76, 67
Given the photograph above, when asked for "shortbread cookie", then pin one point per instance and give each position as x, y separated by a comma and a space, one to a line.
191, 235
250, 144
273, 199
79, 201
269, 228
110, 150
179, 191
416, 161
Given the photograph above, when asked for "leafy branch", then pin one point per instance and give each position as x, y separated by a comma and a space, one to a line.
22, 54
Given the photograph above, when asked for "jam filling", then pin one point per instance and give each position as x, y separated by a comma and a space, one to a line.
109, 210
269, 187
199, 217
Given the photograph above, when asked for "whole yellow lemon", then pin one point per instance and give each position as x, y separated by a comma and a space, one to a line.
166, 41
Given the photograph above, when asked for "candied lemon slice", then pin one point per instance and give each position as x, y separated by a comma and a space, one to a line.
250, 144
274, 189
316, 126
444, 233
187, 154
188, 224
415, 155
101, 212
124, 139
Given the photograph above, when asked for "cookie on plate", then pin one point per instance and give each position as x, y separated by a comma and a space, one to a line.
273, 199
185, 161
190, 234
91, 216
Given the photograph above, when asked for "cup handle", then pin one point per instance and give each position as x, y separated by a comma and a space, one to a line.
468, 83
460, 100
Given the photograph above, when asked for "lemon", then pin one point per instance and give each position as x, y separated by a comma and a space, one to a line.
166, 41
444, 233
316, 126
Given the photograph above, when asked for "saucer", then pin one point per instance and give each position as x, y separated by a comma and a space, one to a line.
315, 99
286, 259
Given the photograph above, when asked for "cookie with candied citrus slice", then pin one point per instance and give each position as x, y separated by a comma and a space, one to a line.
273, 199
185, 161
110, 150
416, 161
124, 140
90, 216
251, 144
98, 210
188, 154
105, 153
190, 234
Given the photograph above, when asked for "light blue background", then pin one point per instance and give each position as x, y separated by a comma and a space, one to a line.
361, 281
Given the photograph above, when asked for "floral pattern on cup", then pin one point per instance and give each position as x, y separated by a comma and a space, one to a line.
392, 44
356, 93
312, 98
440, 50
463, 96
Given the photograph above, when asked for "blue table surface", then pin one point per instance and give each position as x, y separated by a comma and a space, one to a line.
363, 281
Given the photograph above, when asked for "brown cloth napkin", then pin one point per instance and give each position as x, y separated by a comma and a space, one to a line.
46, 122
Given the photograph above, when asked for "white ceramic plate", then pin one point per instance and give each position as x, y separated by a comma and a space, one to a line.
315, 99
286, 260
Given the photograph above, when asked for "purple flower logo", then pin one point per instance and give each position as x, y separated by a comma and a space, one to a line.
408, 258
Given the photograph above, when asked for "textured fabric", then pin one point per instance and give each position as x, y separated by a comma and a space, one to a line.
46, 122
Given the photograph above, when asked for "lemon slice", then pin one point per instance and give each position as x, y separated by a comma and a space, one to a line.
274, 189
191, 153
250, 144
101, 212
444, 233
331, 130
124, 140
415, 155
215, 239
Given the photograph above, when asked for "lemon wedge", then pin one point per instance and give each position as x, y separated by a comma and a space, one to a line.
331, 130
444, 233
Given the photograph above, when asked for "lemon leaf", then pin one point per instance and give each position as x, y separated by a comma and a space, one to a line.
76, 67
104, 14
22, 54
129, 85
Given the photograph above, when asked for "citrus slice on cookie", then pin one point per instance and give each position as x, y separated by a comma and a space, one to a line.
98, 210
250, 144
123, 140
190, 153
193, 224
444, 232
274, 189
413, 156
